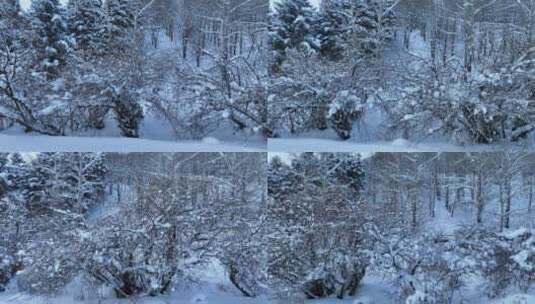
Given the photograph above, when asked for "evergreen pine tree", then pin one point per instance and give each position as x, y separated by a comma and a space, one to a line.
3, 178
292, 26
4, 158
373, 24
12, 22
9, 10
120, 22
39, 181
333, 28
281, 181
86, 23
16, 172
346, 169
51, 42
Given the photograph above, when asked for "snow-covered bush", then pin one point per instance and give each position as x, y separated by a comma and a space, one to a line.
326, 84
127, 112
78, 100
198, 100
245, 268
175, 225
52, 88
425, 269
316, 273
122, 258
296, 106
141, 253
484, 107
313, 94
504, 259
44, 213
340, 275
178, 216
11, 218
9, 265
231, 91
242, 252
50, 262
344, 110
189, 116
523, 267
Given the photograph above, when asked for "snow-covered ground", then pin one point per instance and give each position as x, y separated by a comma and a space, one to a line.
38, 143
371, 291
311, 144
214, 288
372, 135
156, 136
315, 3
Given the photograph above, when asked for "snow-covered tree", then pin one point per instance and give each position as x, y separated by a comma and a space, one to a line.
11, 19
330, 88
182, 216
301, 221
86, 21
233, 88
127, 112
311, 94
51, 40
505, 260
292, 26
333, 28
121, 18
374, 24
364, 26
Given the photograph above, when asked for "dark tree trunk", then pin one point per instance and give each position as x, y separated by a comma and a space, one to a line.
234, 279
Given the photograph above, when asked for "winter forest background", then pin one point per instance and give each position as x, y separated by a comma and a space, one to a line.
388, 72
159, 69
322, 227
456, 71
367, 76
127, 225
